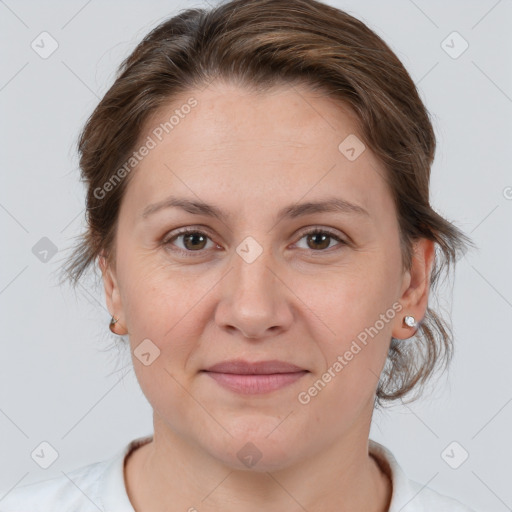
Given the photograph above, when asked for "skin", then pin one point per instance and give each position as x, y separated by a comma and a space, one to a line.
301, 301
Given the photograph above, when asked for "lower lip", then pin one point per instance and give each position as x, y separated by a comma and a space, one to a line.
255, 384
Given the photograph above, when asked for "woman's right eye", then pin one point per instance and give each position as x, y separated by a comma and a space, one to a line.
193, 240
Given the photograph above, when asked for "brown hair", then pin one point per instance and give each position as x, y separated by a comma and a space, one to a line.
258, 44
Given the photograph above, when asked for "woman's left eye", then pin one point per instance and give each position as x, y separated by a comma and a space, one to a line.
322, 238
194, 240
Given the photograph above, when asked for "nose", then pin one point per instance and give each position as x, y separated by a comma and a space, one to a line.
255, 299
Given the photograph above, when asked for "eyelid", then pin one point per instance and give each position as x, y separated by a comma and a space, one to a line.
321, 229
176, 233
205, 231
184, 230
311, 230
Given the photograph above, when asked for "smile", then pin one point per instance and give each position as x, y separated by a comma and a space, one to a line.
254, 383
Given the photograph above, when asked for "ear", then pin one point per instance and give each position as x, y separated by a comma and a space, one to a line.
112, 294
415, 288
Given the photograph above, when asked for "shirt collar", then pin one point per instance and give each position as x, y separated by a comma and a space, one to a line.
113, 487
403, 492
115, 496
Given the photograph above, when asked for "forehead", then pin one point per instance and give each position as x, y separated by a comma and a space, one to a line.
229, 143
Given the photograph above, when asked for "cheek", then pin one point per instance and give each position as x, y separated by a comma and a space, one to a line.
353, 319
145, 284
353, 296
354, 344
167, 306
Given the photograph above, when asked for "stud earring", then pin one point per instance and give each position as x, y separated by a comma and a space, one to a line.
112, 324
410, 321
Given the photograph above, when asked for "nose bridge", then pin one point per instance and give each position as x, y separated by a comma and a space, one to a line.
252, 296
252, 274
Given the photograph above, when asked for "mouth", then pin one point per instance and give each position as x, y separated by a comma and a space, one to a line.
260, 377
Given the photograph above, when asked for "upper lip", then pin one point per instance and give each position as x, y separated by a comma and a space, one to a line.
239, 366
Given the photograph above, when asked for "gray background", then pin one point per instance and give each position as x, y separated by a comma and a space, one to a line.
63, 380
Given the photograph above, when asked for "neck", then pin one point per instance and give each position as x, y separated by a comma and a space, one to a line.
169, 474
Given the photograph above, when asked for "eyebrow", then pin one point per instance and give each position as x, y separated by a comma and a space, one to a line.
197, 207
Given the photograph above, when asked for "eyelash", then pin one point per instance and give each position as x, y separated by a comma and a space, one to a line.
187, 253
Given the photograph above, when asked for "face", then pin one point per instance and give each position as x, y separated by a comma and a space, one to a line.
268, 278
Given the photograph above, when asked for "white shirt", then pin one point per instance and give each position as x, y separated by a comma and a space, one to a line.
101, 486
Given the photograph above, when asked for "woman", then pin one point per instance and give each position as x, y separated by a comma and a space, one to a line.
258, 204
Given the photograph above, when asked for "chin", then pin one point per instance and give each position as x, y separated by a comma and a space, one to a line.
256, 448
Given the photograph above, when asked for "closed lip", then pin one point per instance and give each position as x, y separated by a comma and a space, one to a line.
241, 367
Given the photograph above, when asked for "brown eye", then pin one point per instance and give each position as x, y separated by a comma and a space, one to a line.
319, 240
191, 241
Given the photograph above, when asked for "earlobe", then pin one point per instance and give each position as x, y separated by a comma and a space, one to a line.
415, 292
112, 296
